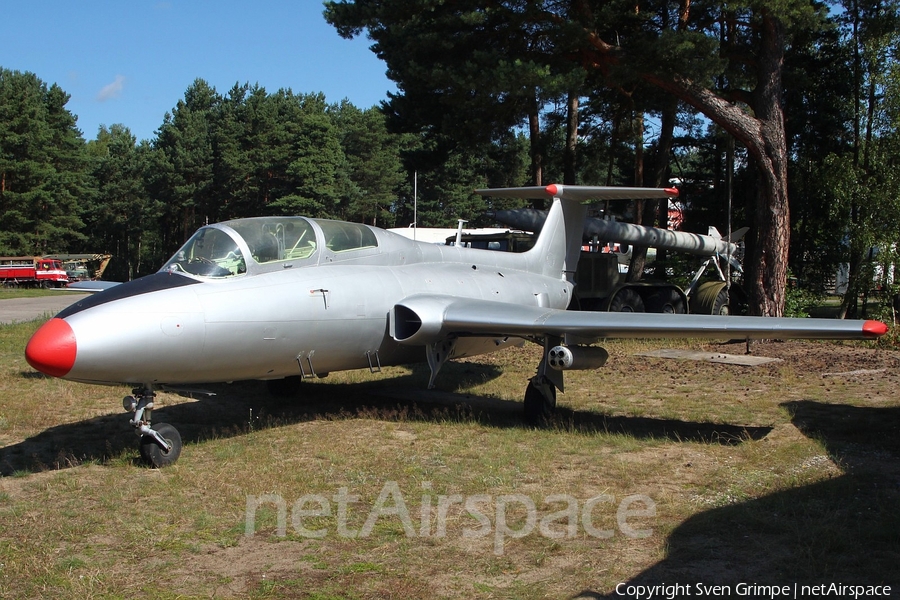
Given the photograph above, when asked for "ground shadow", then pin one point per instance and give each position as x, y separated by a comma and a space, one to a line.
845, 530
241, 407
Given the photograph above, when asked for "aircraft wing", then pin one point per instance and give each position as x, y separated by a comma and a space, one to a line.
90, 286
425, 319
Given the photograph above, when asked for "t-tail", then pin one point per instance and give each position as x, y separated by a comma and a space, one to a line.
556, 252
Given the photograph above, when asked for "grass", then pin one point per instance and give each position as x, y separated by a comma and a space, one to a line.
7, 293
773, 474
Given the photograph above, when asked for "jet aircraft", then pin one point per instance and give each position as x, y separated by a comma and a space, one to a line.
282, 298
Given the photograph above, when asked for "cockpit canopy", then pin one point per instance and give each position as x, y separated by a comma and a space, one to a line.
256, 244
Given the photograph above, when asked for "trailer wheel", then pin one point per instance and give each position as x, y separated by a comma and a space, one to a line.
668, 300
711, 298
626, 300
720, 306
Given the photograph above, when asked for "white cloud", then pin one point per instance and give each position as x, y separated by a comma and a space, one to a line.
112, 90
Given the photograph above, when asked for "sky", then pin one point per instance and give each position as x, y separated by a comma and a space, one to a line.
129, 61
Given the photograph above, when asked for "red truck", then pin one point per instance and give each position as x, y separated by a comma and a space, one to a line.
32, 271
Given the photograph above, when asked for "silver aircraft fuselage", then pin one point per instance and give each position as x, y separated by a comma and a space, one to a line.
270, 319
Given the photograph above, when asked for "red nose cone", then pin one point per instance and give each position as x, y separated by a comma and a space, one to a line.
52, 348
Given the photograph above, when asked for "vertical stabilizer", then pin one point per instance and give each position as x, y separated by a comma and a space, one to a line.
556, 252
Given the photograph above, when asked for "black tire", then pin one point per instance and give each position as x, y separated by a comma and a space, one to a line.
626, 300
711, 298
720, 306
154, 454
668, 301
539, 409
284, 388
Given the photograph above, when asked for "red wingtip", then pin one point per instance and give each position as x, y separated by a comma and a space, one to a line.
874, 328
51, 350
552, 189
672, 191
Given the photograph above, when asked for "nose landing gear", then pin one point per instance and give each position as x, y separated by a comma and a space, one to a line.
160, 444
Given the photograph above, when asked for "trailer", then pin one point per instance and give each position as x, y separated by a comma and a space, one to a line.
602, 267
32, 271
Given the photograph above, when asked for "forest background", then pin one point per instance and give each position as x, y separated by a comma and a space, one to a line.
506, 94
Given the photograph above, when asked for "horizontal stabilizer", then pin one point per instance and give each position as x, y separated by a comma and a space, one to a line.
580, 192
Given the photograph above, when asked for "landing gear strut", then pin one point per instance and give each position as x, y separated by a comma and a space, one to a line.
160, 444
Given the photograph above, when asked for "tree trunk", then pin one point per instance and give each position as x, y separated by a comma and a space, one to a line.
537, 156
768, 263
767, 267
849, 303
650, 212
660, 170
570, 153
638, 253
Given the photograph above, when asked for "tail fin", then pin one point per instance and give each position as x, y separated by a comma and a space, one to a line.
556, 251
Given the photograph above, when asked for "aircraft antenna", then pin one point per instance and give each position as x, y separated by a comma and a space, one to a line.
459, 228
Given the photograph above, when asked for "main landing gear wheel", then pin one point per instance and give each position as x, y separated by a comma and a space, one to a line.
540, 402
156, 454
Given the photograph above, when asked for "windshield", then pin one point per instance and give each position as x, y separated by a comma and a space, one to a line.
211, 253
215, 251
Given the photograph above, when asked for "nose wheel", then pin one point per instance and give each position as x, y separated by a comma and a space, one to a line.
155, 453
160, 444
